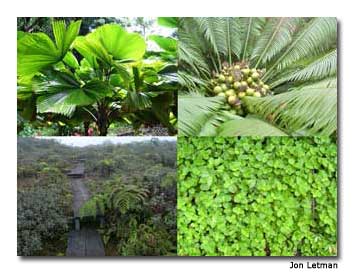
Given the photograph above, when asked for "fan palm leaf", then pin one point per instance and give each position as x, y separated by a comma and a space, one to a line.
64, 93
36, 51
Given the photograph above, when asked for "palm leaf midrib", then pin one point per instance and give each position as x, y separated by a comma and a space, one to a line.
247, 38
292, 45
276, 31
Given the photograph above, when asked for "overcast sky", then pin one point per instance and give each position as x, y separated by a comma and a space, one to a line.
84, 141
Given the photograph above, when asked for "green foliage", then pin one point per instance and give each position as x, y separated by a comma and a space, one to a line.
135, 194
115, 196
290, 110
257, 196
102, 77
197, 112
290, 53
37, 51
137, 199
40, 217
43, 209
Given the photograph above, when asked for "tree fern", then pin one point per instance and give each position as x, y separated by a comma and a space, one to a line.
125, 197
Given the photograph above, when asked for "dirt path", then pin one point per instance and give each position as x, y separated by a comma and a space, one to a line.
81, 195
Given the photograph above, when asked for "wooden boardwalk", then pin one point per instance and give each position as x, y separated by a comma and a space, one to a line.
81, 195
78, 171
85, 241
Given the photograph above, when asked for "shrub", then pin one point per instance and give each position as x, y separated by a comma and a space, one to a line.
40, 217
257, 196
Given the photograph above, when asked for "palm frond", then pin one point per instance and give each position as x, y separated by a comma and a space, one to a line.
317, 68
137, 100
276, 35
317, 36
194, 111
250, 29
215, 34
249, 126
191, 47
36, 51
64, 93
308, 108
191, 83
65, 36
233, 33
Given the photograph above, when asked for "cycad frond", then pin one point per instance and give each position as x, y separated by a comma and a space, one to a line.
310, 108
276, 34
317, 68
233, 32
249, 126
317, 36
328, 82
191, 47
215, 33
194, 111
191, 83
251, 28
214, 121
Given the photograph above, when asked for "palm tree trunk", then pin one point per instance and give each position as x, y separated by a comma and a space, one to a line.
102, 119
86, 127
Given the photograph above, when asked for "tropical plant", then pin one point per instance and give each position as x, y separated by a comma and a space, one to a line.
295, 58
100, 77
115, 198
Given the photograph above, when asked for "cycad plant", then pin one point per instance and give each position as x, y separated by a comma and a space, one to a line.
257, 76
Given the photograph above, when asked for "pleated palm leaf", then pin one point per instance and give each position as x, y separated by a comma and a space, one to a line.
103, 74
299, 60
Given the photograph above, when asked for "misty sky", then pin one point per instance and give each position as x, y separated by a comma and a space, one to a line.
84, 141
